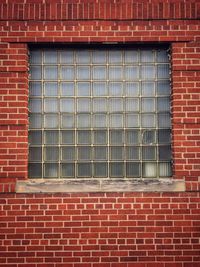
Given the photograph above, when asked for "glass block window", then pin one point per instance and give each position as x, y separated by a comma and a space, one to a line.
97, 113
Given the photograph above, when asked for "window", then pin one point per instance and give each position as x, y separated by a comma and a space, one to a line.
99, 113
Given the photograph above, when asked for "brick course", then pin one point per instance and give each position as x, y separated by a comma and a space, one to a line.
98, 229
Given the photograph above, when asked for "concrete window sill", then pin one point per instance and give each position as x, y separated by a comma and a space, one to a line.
100, 185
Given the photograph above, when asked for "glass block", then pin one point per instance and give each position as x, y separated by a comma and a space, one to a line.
99, 57
163, 104
100, 153
115, 73
67, 121
116, 169
66, 57
165, 169
99, 104
99, 89
35, 154
116, 120
100, 169
147, 55
162, 56
83, 137
132, 153
68, 153
99, 120
51, 153
35, 137
116, 153
35, 170
51, 137
148, 137
133, 169
132, 120
67, 105
50, 73
84, 153
132, 136
99, 73
83, 121
67, 88
51, 105
116, 105
164, 120
115, 89
116, 137
36, 57
163, 88
164, 136
83, 73
149, 153
35, 105
50, 57
163, 71
35, 89
148, 72
83, 57
131, 73
132, 104
83, 89
132, 89
131, 56
84, 170
149, 170
51, 89
148, 105
35, 121
148, 89
100, 137
115, 56
164, 152
67, 73
68, 170
67, 137
83, 105
51, 121
51, 170
35, 72
148, 120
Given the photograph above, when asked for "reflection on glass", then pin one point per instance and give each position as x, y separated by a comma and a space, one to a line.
83, 120
164, 152
147, 55
148, 120
131, 73
132, 136
35, 137
162, 56
149, 153
148, 89
132, 89
99, 104
116, 120
35, 121
84, 137
163, 71
164, 120
83, 73
148, 72
165, 169
36, 57
132, 153
115, 56
36, 72
132, 104
100, 153
50, 57
99, 73
100, 137
116, 105
66, 57
83, 57
148, 137
84, 153
163, 104
67, 137
115, 89
148, 105
132, 120
164, 136
163, 88
116, 137
51, 170
35, 153
149, 169
115, 73
116, 153
131, 56
35, 105
99, 57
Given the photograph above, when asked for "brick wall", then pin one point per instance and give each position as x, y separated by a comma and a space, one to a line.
99, 230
